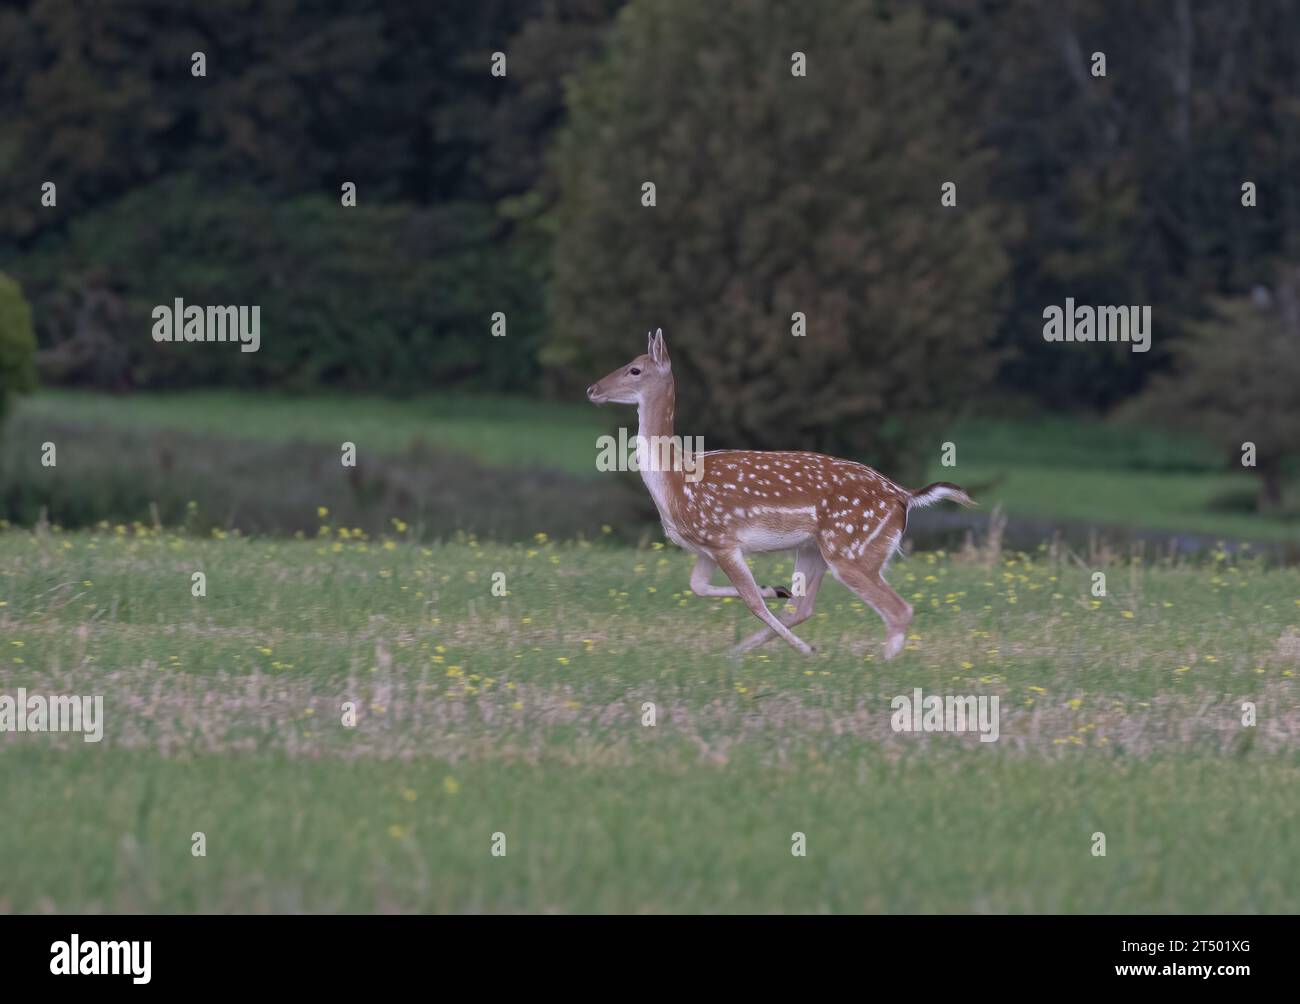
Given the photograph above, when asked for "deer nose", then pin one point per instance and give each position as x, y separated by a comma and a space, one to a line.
591, 391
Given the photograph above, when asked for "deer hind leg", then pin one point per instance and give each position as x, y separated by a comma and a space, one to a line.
862, 574
808, 563
733, 564
701, 586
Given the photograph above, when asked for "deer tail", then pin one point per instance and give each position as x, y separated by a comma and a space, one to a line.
937, 492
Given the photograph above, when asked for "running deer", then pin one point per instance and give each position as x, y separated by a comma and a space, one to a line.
834, 513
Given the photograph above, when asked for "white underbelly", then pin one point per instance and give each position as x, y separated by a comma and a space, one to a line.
766, 538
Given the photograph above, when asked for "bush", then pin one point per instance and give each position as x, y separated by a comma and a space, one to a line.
779, 194
17, 343
381, 297
1236, 380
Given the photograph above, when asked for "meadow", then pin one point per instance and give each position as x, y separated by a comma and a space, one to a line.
522, 714
262, 462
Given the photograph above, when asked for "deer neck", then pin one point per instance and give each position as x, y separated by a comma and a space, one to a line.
655, 421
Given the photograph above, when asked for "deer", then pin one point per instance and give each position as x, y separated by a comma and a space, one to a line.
834, 514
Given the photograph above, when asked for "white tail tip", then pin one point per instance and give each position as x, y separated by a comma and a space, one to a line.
938, 492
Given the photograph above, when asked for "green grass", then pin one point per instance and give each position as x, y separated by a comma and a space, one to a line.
898, 837
1072, 442
522, 714
500, 430
1050, 468
1101, 474
1171, 501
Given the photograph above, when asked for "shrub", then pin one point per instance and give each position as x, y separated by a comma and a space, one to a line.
17, 343
778, 195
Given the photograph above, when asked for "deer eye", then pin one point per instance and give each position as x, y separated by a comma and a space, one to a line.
635, 371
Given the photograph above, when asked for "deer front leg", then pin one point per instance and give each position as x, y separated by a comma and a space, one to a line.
700, 585
808, 563
733, 564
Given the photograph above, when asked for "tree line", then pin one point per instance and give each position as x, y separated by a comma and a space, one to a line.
913, 183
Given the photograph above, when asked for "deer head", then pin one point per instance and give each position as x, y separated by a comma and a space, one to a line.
645, 378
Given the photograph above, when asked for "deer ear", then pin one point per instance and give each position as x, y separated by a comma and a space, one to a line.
659, 350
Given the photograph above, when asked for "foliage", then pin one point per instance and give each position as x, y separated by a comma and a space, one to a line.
232, 180
17, 343
779, 194
377, 296
1237, 381
1122, 189
1131, 183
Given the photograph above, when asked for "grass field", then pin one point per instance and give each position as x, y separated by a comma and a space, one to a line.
1081, 471
493, 429
522, 715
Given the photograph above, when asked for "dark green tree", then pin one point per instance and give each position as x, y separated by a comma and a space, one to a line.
389, 296
1236, 380
1131, 182
227, 186
780, 194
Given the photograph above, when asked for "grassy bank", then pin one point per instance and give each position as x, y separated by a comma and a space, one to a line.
522, 715
503, 467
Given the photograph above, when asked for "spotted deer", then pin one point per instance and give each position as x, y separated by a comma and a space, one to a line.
833, 513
